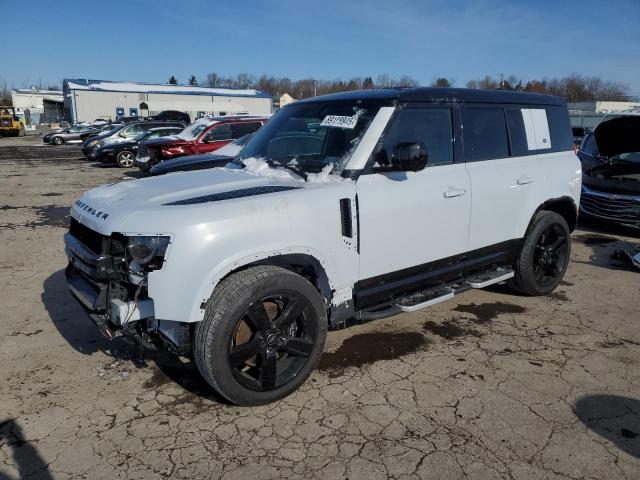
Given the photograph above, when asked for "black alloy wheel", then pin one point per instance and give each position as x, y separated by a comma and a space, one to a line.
550, 255
544, 257
262, 335
272, 341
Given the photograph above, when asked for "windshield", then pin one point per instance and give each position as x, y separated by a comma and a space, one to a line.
312, 136
193, 130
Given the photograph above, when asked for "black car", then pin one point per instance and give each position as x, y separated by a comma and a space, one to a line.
123, 153
126, 131
202, 161
190, 162
93, 140
173, 115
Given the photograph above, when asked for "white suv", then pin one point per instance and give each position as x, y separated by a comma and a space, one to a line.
344, 207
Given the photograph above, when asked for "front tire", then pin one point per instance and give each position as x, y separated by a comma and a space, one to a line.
545, 254
57, 141
125, 159
262, 335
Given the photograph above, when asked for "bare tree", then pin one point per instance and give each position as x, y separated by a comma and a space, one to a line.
572, 88
213, 79
5, 93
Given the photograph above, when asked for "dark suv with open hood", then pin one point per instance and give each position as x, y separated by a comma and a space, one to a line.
610, 157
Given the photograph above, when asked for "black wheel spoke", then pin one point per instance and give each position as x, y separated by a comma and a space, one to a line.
243, 352
539, 272
281, 334
268, 369
559, 242
258, 316
290, 313
298, 347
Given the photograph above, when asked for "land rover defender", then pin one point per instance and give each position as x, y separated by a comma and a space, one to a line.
345, 207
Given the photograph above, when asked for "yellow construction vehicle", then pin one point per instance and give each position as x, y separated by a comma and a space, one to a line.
10, 122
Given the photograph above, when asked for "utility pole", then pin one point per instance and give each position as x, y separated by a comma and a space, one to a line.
501, 80
315, 87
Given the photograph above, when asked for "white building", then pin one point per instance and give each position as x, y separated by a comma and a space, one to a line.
588, 114
45, 106
88, 100
602, 106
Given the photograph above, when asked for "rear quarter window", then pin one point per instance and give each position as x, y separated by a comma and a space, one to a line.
559, 127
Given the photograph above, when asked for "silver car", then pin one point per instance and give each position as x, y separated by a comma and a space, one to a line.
73, 134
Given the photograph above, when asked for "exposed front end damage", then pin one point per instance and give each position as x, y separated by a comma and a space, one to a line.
112, 288
611, 171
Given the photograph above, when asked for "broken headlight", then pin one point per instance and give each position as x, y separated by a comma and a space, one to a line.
148, 251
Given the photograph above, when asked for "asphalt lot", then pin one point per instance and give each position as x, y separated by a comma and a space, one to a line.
490, 385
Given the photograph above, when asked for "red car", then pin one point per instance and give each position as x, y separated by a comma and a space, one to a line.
202, 136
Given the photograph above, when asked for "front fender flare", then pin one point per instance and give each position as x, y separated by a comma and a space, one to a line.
232, 264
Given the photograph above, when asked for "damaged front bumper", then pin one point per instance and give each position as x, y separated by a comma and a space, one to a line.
101, 283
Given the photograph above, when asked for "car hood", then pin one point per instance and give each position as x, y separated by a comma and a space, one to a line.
618, 135
202, 160
106, 208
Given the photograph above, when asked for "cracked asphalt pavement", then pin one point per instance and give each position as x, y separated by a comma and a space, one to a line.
492, 385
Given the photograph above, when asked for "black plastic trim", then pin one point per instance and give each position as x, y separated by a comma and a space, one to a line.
345, 217
383, 289
245, 192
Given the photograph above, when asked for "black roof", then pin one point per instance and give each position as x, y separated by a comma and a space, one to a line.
451, 95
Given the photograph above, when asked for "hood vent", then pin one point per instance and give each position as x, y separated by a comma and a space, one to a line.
245, 192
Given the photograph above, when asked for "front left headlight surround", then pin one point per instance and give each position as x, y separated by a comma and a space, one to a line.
148, 251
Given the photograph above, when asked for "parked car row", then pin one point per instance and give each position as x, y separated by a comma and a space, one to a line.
205, 135
120, 144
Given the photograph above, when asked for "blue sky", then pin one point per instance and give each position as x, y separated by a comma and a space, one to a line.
149, 40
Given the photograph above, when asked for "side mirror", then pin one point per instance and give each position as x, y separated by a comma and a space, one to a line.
406, 157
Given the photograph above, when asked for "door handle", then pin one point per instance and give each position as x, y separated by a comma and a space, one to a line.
454, 192
524, 179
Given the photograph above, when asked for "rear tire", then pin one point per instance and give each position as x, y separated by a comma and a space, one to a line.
125, 159
545, 254
262, 335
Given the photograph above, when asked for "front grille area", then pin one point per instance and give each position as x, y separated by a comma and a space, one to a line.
619, 208
6, 122
96, 242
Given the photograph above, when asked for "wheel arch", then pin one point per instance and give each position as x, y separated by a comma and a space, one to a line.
564, 206
307, 263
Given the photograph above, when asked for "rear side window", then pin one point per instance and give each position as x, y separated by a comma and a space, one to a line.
534, 130
485, 134
429, 125
241, 129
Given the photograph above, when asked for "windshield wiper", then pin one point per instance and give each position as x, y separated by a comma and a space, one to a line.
297, 170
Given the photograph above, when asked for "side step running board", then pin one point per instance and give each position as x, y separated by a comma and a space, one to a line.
489, 278
432, 298
426, 298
